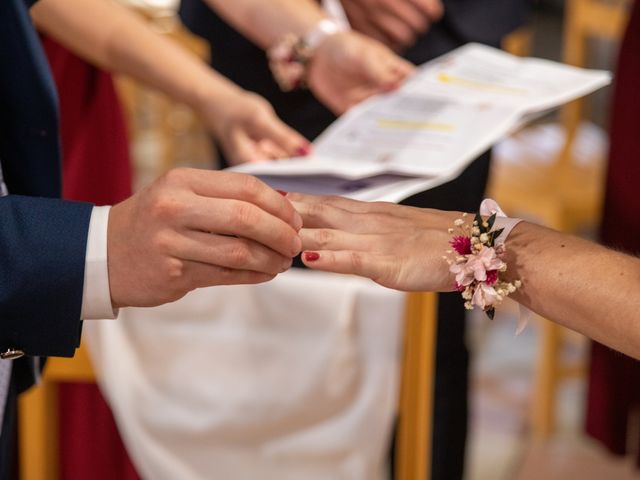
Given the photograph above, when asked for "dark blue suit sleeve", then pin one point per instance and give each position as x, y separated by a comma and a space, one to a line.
42, 259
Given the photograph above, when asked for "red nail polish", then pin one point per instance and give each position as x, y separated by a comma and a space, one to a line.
282, 192
311, 256
303, 150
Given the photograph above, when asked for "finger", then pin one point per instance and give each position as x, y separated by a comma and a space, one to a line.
343, 203
201, 275
402, 68
433, 8
357, 206
270, 150
346, 261
359, 19
243, 219
328, 217
329, 239
237, 186
395, 28
269, 127
229, 252
408, 13
318, 215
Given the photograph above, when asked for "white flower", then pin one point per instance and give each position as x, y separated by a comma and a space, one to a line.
485, 296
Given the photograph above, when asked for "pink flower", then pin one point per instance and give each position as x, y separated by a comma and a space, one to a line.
476, 267
485, 296
461, 244
492, 277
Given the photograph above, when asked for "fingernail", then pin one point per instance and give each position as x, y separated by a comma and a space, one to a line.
303, 150
282, 192
311, 256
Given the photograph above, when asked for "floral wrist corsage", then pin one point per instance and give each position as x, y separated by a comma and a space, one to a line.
477, 262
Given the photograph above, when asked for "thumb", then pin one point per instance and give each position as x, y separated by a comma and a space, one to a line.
271, 128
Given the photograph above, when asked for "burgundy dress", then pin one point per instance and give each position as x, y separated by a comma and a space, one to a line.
614, 387
96, 168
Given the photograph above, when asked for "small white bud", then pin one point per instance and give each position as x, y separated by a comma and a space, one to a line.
484, 238
459, 222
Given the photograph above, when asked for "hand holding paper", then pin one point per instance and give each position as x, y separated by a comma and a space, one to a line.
426, 133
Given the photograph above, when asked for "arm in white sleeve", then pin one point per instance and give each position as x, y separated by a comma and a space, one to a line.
96, 296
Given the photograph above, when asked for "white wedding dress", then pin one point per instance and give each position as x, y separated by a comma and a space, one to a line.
293, 379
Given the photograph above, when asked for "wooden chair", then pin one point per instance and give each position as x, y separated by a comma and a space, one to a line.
38, 423
562, 195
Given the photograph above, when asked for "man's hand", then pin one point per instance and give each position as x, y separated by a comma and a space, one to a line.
348, 67
248, 129
398, 247
198, 228
396, 23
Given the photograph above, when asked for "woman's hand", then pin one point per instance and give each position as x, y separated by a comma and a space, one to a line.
349, 67
247, 128
398, 247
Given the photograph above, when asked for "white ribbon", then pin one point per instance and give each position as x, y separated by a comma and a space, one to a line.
489, 207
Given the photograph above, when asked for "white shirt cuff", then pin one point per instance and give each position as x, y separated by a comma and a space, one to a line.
96, 296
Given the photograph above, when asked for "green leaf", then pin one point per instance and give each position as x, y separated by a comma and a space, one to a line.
491, 312
491, 221
493, 236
